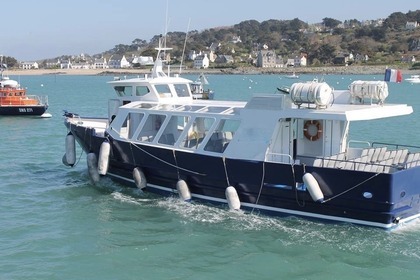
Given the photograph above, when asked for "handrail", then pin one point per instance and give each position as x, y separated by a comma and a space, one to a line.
397, 146
358, 141
279, 154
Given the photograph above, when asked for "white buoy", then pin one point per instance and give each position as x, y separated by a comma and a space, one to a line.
103, 159
183, 190
70, 149
92, 165
46, 115
139, 178
64, 160
232, 198
313, 187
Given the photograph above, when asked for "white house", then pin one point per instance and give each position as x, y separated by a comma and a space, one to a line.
100, 63
118, 61
410, 25
65, 64
192, 55
266, 58
300, 60
80, 65
29, 65
143, 60
236, 39
201, 61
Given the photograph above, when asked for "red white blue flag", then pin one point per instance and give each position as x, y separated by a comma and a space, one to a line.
393, 75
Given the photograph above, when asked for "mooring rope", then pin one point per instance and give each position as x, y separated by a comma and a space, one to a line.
261, 186
352, 188
296, 190
226, 173
176, 163
168, 163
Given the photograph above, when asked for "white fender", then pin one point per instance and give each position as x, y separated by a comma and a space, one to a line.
232, 198
70, 149
183, 190
139, 178
92, 164
64, 160
103, 159
313, 187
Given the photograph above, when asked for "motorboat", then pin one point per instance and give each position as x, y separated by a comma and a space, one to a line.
292, 76
279, 153
415, 79
14, 100
199, 91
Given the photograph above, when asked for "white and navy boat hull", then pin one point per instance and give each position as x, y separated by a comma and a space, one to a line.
269, 187
37, 110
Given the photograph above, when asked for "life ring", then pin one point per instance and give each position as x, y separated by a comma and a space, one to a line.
312, 130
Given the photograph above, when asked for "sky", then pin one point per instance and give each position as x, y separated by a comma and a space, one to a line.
39, 29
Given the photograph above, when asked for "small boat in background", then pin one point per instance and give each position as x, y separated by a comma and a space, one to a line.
293, 76
15, 102
414, 79
197, 88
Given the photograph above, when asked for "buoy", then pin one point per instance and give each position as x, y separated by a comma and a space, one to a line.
183, 190
103, 159
70, 149
232, 198
313, 187
139, 178
64, 160
93, 167
46, 115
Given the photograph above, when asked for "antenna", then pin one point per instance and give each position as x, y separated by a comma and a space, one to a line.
185, 43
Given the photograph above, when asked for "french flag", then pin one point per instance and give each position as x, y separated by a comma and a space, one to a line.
393, 75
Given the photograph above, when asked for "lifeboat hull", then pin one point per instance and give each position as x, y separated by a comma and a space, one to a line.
23, 110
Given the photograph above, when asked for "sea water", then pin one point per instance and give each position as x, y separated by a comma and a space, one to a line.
54, 224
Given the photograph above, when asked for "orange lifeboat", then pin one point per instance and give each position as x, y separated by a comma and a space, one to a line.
15, 101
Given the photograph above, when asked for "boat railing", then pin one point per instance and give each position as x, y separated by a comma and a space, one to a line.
375, 159
22, 100
42, 99
277, 157
397, 146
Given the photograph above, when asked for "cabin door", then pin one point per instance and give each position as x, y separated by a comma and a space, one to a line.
281, 148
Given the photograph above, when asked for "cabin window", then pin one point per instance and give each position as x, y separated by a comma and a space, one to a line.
151, 127
163, 90
182, 90
221, 136
173, 130
142, 90
123, 90
197, 132
130, 124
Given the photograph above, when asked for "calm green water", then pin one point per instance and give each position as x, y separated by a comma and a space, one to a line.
55, 225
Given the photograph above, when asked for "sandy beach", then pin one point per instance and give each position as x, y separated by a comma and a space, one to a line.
248, 70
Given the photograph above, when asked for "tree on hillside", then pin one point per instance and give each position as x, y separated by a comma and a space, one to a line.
396, 21
120, 49
413, 16
352, 23
9, 62
330, 22
296, 24
325, 53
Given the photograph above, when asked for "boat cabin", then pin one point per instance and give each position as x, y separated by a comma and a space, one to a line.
300, 127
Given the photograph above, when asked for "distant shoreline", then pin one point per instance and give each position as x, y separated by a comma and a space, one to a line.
345, 70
